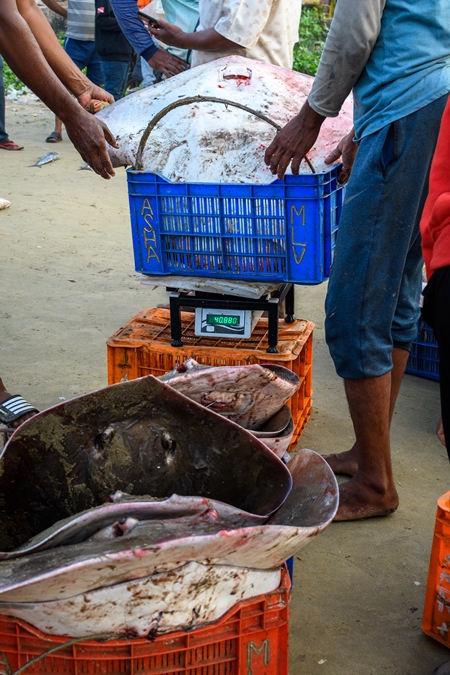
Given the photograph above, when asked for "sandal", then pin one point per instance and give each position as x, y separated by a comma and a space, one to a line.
54, 138
10, 145
12, 409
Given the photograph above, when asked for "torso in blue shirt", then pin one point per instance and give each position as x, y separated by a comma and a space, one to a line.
409, 66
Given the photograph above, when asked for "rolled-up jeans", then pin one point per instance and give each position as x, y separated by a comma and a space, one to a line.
372, 304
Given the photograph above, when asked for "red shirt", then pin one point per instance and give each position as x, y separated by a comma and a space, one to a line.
435, 223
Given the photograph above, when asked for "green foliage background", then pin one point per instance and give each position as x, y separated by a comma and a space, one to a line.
312, 34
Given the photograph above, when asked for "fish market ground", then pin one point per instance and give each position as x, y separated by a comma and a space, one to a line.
68, 283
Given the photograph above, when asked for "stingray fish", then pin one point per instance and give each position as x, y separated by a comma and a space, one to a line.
67, 571
248, 395
122, 515
277, 432
203, 126
141, 437
180, 599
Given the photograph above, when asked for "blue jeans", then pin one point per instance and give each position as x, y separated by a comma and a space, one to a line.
3, 134
116, 75
83, 54
372, 304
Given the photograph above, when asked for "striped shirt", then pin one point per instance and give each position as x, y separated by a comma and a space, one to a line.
81, 20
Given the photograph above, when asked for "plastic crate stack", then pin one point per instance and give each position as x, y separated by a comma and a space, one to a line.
424, 356
252, 637
435, 619
143, 347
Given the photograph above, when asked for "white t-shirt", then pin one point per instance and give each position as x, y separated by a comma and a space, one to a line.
266, 30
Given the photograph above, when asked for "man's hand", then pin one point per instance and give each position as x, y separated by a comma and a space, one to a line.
166, 32
88, 134
346, 149
294, 141
167, 63
94, 93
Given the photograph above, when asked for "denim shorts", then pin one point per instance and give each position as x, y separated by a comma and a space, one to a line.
83, 54
372, 302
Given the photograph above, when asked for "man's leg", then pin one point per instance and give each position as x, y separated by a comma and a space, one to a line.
371, 492
3, 134
346, 463
78, 53
436, 314
369, 306
116, 75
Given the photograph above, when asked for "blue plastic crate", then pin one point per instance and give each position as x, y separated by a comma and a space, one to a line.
424, 357
285, 231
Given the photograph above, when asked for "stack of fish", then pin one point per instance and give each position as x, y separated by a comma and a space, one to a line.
134, 510
252, 396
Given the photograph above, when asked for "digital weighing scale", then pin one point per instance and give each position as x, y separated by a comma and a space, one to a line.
229, 316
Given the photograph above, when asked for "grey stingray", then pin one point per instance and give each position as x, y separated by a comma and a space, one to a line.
248, 395
69, 570
141, 437
86, 524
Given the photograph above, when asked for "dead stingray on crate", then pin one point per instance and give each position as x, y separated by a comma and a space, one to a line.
67, 571
141, 437
249, 395
178, 599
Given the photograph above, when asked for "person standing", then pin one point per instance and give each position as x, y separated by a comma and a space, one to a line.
266, 30
5, 142
113, 48
79, 45
435, 229
395, 55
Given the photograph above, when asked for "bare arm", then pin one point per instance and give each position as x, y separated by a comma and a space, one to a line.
353, 34
61, 64
56, 7
22, 53
208, 40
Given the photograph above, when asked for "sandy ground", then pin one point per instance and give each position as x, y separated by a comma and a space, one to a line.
68, 283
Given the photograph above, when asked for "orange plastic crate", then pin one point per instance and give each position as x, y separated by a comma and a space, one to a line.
251, 639
143, 347
436, 614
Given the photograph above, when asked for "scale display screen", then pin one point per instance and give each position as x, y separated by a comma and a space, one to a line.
223, 320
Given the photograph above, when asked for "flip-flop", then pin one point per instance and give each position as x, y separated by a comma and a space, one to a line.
12, 408
10, 145
54, 138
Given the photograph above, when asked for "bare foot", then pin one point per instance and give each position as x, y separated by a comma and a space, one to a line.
345, 463
358, 500
440, 432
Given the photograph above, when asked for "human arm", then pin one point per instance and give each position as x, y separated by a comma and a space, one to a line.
62, 65
142, 42
353, 34
56, 7
208, 40
19, 48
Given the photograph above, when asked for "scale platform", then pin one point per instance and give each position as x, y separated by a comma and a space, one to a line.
219, 315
